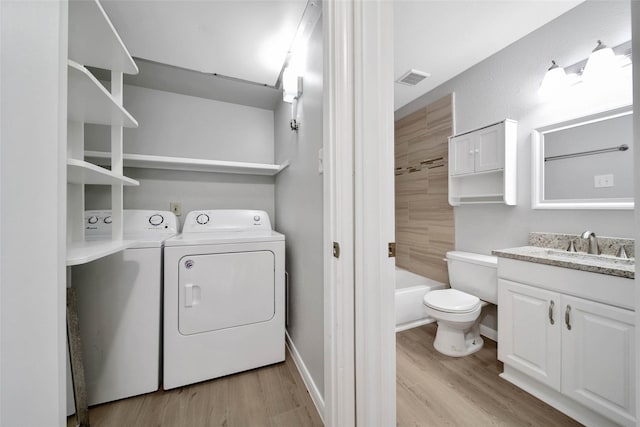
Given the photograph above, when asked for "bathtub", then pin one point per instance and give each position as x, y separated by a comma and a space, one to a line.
410, 289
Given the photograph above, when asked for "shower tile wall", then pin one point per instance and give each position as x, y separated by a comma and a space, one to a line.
424, 218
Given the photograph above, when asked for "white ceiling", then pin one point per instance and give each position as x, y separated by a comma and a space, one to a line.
246, 39
444, 38
249, 39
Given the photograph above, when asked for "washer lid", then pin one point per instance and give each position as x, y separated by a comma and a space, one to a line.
451, 300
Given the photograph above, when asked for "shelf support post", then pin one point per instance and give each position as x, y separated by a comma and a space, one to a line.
117, 202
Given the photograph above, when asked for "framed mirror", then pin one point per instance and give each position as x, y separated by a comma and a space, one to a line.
585, 163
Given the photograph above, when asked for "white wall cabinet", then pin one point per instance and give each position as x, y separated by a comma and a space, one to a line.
482, 165
583, 350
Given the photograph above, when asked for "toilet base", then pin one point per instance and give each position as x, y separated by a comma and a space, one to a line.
456, 341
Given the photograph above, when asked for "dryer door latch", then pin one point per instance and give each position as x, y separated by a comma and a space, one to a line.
336, 249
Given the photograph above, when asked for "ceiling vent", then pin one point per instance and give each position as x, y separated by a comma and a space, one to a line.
412, 77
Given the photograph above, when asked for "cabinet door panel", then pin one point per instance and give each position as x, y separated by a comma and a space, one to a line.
462, 160
489, 148
598, 367
527, 340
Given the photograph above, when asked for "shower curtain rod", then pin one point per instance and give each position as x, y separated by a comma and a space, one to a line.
623, 147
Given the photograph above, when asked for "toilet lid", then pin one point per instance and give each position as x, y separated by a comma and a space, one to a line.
451, 300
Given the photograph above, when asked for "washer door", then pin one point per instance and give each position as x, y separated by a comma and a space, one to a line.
224, 290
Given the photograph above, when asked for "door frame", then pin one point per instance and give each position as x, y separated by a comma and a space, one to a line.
358, 214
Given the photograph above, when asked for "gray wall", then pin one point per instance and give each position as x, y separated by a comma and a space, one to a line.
185, 126
299, 207
573, 178
506, 85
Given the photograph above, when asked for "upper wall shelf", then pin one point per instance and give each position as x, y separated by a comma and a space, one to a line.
89, 101
94, 41
188, 164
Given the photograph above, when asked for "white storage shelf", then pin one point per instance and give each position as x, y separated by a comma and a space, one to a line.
94, 41
482, 165
188, 164
81, 172
90, 102
87, 251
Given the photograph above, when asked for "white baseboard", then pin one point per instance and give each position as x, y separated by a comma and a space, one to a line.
316, 397
486, 331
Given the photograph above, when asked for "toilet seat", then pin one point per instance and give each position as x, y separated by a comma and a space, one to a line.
451, 301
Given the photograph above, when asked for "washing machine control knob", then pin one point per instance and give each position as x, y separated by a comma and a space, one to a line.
256, 218
202, 219
156, 219
92, 219
107, 219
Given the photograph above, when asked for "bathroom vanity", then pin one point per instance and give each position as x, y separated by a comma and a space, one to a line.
566, 331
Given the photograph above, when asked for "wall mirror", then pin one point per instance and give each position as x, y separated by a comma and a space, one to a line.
585, 163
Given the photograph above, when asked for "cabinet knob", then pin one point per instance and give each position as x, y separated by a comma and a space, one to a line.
551, 305
567, 317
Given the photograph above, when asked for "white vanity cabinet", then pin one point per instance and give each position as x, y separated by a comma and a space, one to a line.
567, 345
529, 333
482, 165
598, 365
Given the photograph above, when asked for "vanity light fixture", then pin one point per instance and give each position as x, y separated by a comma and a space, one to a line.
555, 80
602, 63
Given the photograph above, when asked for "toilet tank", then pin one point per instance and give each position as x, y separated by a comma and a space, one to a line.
474, 274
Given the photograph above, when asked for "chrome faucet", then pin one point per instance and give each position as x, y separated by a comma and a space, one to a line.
593, 242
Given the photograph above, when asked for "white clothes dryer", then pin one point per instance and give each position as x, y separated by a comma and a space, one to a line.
119, 306
223, 296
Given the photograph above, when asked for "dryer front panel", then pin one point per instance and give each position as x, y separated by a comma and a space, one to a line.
225, 290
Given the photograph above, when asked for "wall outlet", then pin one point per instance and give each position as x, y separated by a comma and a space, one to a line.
176, 208
601, 181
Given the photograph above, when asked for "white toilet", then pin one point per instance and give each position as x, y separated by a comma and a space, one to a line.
474, 283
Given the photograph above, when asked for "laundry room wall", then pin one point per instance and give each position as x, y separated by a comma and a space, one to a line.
299, 207
177, 125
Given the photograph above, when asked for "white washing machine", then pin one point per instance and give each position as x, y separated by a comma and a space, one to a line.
223, 296
119, 306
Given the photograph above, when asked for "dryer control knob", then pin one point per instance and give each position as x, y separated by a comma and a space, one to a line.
256, 218
107, 220
92, 219
156, 219
202, 219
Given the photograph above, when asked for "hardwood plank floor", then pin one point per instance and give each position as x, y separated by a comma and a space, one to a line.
273, 396
436, 390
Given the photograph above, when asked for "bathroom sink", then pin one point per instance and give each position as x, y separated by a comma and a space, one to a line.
591, 258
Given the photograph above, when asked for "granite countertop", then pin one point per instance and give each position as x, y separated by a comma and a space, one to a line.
603, 264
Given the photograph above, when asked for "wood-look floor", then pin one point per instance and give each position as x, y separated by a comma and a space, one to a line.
272, 396
432, 390
437, 390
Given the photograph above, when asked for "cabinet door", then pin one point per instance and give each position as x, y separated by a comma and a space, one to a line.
489, 148
529, 331
462, 154
598, 365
